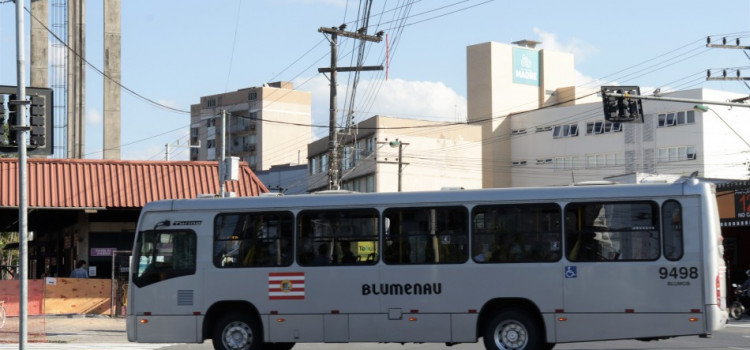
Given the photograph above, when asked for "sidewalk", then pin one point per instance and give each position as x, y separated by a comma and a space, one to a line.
85, 329
67, 329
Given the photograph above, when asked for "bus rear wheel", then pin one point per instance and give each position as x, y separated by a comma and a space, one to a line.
236, 331
513, 330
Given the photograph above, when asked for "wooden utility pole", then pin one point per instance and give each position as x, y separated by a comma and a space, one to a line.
334, 157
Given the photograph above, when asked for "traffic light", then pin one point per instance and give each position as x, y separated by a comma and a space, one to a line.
12, 120
3, 116
622, 108
37, 120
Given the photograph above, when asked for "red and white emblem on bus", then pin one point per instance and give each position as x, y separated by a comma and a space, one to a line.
286, 286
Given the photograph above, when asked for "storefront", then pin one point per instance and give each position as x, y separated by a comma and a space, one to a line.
734, 210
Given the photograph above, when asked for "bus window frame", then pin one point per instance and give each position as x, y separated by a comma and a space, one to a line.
289, 240
664, 219
591, 232
336, 240
387, 236
157, 274
497, 248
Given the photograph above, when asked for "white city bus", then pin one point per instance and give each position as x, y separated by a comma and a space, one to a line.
521, 268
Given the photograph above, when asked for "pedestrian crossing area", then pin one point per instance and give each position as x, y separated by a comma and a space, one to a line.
80, 346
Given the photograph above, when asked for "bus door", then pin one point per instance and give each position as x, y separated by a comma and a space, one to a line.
165, 288
424, 251
612, 285
337, 256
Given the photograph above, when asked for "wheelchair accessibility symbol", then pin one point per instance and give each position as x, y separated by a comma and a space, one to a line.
571, 272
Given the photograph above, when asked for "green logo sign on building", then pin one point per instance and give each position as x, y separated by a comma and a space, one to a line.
525, 66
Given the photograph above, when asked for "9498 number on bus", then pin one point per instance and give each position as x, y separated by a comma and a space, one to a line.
681, 273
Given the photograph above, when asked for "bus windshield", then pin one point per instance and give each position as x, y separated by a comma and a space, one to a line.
161, 255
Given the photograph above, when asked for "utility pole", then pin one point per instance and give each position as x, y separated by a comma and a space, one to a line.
334, 158
721, 73
222, 158
21, 128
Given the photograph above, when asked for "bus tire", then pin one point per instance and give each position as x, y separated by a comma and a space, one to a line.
513, 329
237, 331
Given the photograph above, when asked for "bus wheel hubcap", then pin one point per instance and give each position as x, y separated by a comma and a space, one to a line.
238, 335
510, 335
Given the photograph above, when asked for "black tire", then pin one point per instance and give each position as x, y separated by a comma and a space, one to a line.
237, 331
735, 311
513, 330
278, 346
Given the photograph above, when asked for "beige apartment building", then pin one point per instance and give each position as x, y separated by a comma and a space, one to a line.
434, 155
265, 126
503, 80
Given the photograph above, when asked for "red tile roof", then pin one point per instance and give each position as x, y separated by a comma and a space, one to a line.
90, 183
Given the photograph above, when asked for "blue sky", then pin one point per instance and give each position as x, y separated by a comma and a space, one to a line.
174, 51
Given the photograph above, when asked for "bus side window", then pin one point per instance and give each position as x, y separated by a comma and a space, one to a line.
608, 231
672, 228
259, 239
516, 233
337, 237
429, 235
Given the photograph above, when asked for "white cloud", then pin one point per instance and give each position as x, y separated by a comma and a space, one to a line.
579, 48
170, 103
423, 100
93, 117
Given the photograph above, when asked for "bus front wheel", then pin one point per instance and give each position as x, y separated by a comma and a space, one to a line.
513, 330
237, 331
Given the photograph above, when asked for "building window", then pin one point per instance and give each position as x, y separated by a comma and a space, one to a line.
210, 143
211, 103
676, 118
568, 130
253, 115
314, 165
252, 96
519, 162
564, 162
543, 128
544, 161
676, 154
518, 131
210, 122
602, 127
601, 160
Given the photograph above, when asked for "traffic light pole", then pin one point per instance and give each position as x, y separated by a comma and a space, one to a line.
21, 128
675, 99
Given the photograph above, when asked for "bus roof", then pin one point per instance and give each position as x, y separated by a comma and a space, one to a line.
342, 200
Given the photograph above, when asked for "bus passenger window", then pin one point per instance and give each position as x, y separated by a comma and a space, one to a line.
253, 239
430, 235
516, 233
672, 226
337, 237
608, 231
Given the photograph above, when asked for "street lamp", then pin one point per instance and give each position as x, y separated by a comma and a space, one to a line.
396, 143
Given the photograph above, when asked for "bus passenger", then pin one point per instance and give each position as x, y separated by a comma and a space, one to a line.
322, 258
348, 257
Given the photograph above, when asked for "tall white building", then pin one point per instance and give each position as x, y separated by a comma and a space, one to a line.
571, 142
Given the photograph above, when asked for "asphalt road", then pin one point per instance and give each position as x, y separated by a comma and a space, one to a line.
736, 336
